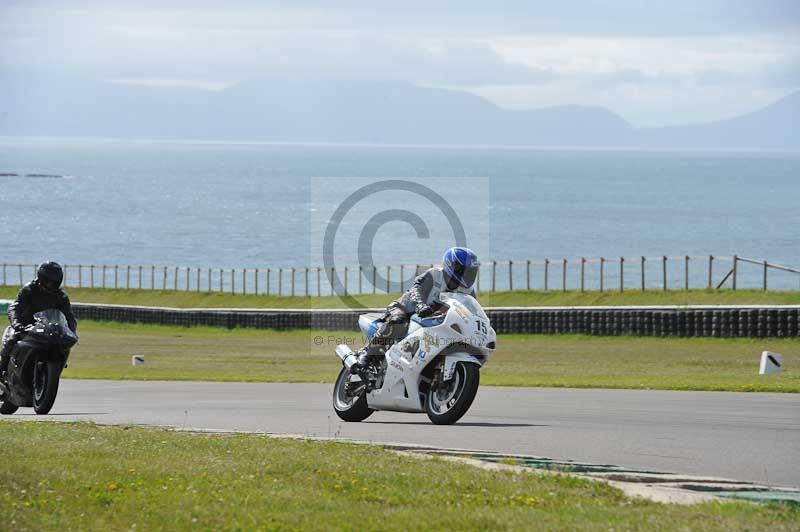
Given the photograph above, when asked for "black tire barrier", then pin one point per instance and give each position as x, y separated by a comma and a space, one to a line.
729, 322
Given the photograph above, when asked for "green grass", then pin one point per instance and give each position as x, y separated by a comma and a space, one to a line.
88, 477
197, 353
171, 298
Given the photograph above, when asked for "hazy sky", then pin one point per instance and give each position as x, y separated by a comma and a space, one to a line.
652, 62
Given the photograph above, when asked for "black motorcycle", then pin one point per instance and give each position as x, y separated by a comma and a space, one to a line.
37, 361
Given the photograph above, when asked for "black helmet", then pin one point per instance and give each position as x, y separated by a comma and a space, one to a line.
49, 275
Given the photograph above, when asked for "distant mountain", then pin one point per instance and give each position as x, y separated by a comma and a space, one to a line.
774, 126
352, 112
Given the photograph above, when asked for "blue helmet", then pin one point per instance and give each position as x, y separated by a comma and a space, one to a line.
461, 266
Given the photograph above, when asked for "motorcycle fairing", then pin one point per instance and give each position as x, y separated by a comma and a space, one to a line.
400, 390
369, 323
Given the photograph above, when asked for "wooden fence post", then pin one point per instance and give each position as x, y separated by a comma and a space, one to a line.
293, 271
765, 275
583, 273
602, 272
643, 261
280, 281
735, 268
622, 274
686, 272
494, 274
664, 271
187, 278
710, 266
528, 274
510, 276
564, 276
374, 278
388, 278
546, 273
345, 280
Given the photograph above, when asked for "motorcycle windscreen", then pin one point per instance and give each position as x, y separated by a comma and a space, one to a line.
54, 318
467, 301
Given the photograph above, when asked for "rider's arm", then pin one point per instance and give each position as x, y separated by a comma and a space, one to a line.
17, 309
418, 293
66, 307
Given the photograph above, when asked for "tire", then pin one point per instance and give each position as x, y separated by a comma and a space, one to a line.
7, 408
347, 410
444, 406
44, 391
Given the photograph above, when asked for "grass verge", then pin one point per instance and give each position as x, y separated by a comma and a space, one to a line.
88, 477
181, 299
197, 353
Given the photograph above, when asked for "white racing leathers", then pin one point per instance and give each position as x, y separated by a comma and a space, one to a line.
427, 289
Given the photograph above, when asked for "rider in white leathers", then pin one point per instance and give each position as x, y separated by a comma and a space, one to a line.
458, 273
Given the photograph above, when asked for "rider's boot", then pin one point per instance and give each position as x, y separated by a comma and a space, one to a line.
5, 357
364, 355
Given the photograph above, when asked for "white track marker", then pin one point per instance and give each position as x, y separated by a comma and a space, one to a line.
770, 363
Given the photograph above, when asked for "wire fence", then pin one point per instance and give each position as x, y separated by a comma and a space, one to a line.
584, 274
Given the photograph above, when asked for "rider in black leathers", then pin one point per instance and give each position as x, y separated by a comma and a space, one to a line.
42, 293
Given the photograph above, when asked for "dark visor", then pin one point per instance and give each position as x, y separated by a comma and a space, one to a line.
467, 274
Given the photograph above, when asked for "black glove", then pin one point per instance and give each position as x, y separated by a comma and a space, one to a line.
424, 311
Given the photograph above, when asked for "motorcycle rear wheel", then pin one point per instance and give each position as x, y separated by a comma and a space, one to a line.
450, 400
349, 407
46, 375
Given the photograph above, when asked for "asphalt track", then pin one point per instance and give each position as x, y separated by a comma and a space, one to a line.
743, 436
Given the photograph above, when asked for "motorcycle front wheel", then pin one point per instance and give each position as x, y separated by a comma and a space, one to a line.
46, 375
350, 397
448, 401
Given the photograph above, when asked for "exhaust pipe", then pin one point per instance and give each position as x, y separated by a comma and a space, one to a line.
346, 354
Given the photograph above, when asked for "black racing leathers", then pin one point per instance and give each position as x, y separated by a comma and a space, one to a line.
32, 298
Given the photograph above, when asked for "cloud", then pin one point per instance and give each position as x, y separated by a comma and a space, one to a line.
538, 53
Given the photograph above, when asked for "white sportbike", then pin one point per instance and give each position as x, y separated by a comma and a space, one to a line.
435, 369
